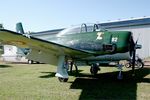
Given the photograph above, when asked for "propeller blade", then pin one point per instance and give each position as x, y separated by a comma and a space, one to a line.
132, 46
133, 61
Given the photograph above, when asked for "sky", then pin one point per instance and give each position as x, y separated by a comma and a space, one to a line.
42, 15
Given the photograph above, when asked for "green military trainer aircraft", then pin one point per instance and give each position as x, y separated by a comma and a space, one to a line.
79, 44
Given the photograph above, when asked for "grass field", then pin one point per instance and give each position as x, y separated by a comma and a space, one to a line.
38, 82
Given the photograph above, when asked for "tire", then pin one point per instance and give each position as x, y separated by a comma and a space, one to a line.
127, 65
140, 64
94, 69
62, 79
30, 61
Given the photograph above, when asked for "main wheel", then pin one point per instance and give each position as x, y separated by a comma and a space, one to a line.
94, 69
62, 79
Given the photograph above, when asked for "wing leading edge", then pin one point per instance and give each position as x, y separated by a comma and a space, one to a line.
19, 40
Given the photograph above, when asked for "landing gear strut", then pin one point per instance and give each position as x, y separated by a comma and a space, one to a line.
72, 63
94, 69
120, 76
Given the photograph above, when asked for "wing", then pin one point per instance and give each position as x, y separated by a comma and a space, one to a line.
19, 40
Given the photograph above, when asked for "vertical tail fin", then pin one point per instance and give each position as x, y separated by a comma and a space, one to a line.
19, 28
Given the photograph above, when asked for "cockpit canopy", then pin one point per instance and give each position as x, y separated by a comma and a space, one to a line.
80, 29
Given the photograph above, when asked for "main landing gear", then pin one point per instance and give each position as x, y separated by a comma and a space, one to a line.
94, 69
62, 69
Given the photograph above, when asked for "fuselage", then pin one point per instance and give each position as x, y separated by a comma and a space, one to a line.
98, 42
104, 45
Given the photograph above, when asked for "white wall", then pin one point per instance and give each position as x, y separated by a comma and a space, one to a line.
13, 54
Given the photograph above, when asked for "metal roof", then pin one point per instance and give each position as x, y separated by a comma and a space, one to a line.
112, 24
124, 23
55, 31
